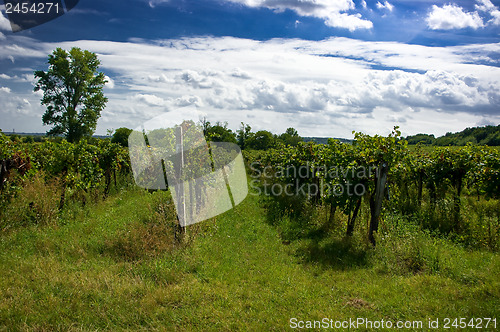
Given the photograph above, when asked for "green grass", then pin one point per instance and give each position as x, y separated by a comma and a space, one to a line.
113, 266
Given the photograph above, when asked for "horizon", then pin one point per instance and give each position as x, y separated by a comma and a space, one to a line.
325, 68
234, 131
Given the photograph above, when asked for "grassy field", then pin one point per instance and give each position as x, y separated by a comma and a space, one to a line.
115, 266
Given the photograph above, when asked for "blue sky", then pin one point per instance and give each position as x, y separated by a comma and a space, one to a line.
323, 67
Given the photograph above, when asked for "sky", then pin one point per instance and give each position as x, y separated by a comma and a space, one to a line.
324, 67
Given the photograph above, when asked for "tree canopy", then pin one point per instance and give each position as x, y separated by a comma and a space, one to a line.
487, 135
121, 135
72, 92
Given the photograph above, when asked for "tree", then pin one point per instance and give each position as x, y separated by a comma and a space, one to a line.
262, 140
121, 136
221, 133
244, 133
72, 92
290, 137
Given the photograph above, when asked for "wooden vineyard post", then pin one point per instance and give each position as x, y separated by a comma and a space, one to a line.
376, 199
179, 190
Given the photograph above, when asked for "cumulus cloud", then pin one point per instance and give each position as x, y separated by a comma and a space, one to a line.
150, 99
4, 23
110, 83
386, 5
452, 16
332, 12
327, 87
487, 7
5, 89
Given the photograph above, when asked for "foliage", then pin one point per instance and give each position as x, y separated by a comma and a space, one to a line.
424, 139
78, 169
36, 203
290, 137
487, 135
101, 264
427, 184
218, 132
121, 135
261, 140
243, 134
72, 92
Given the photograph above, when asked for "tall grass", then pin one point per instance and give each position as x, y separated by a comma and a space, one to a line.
36, 203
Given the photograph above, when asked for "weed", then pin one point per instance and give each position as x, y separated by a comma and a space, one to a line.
35, 204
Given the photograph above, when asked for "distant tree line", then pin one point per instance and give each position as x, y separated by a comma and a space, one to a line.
246, 139
488, 135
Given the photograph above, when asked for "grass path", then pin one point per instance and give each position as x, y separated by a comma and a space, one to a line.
236, 275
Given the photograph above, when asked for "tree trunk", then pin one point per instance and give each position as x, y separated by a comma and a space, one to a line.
63, 194
457, 202
179, 186
420, 182
432, 196
351, 222
333, 208
376, 199
107, 177
4, 172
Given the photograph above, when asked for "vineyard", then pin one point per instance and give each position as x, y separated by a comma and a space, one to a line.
326, 230
449, 191
76, 171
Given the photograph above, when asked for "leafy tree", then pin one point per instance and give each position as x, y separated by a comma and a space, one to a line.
72, 92
121, 136
243, 134
262, 140
205, 125
219, 132
290, 137
422, 139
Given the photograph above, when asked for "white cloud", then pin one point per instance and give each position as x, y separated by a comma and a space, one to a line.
154, 3
332, 12
496, 17
485, 5
5, 89
386, 5
150, 99
488, 7
4, 23
110, 83
452, 16
314, 86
